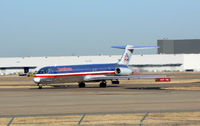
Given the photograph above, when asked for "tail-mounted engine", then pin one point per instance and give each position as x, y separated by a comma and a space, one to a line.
123, 71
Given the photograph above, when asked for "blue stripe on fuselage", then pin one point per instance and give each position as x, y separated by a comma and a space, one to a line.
79, 68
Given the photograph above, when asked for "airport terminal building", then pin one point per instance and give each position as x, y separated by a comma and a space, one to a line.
173, 56
152, 63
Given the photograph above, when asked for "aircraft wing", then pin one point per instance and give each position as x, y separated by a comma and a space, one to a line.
103, 77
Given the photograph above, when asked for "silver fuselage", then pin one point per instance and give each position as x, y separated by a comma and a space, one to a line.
73, 73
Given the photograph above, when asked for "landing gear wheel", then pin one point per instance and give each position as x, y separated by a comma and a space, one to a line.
81, 85
103, 84
39, 86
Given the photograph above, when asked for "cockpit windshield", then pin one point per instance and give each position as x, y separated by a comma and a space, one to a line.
46, 70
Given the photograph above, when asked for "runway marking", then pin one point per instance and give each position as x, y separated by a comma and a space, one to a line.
11, 121
141, 121
79, 123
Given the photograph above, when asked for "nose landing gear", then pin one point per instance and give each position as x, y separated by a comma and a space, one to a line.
39, 86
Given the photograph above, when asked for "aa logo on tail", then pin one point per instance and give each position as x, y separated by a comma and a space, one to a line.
126, 58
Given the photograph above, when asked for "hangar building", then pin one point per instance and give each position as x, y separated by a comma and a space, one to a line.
173, 55
185, 46
153, 62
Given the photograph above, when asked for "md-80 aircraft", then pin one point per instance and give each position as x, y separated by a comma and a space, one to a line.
91, 72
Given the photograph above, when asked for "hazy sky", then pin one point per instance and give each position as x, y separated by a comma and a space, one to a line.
91, 27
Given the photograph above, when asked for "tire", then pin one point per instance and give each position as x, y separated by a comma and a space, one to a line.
103, 85
81, 85
40, 86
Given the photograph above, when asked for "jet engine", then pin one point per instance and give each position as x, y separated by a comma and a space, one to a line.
123, 71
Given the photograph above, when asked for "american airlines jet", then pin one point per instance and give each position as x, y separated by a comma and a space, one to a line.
91, 72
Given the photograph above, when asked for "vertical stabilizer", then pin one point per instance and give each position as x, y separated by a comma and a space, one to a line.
128, 52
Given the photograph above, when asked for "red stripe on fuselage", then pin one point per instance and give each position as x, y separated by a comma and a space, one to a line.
74, 74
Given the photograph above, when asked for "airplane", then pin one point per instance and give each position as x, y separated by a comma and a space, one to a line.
91, 72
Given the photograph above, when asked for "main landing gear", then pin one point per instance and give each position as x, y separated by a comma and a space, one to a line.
81, 85
103, 84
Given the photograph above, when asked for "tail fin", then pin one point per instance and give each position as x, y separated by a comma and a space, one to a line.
128, 52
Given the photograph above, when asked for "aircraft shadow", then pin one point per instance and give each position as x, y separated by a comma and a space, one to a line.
73, 86
145, 88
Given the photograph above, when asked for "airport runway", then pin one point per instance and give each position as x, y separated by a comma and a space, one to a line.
124, 99
95, 100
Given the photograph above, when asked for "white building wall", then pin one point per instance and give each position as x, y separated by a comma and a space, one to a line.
157, 59
54, 61
189, 61
159, 69
192, 61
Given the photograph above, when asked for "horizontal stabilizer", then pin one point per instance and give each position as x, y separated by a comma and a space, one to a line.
119, 47
135, 47
145, 47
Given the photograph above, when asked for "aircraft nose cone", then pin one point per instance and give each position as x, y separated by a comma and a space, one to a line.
36, 79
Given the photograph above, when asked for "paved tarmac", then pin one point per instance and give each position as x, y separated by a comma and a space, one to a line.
95, 100
134, 100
